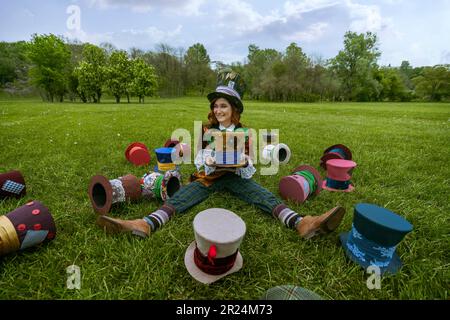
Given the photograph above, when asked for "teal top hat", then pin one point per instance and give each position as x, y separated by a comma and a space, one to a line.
374, 237
230, 86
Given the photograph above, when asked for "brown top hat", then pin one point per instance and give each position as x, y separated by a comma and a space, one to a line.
27, 226
137, 153
337, 151
103, 193
12, 184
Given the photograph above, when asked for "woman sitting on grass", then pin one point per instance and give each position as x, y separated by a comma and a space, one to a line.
226, 109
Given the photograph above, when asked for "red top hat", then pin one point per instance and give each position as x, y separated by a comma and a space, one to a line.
339, 175
337, 151
12, 184
137, 153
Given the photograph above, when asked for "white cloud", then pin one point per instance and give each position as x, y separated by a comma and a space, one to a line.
313, 32
180, 7
299, 8
154, 34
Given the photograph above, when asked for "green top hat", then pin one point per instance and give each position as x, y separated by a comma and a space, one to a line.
230, 86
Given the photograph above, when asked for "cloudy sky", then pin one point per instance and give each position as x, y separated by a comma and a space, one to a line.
414, 30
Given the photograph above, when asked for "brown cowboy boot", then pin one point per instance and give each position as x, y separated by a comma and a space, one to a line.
310, 226
137, 227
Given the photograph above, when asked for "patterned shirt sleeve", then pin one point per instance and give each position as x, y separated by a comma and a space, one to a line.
248, 171
200, 160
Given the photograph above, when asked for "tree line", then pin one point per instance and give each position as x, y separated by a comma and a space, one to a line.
58, 68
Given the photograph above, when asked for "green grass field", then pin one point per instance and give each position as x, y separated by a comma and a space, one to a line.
402, 151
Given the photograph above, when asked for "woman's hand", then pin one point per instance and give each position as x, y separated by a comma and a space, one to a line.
210, 161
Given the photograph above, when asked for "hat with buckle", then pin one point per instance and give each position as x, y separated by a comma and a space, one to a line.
27, 226
103, 192
374, 237
230, 86
215, 252
137, 153
12, 184
337, 151
304, 182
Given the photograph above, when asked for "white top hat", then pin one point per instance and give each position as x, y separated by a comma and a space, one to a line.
215, 251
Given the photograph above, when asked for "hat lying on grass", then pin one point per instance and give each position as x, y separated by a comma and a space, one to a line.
374, 237
339, 175
337, 151
160, 186
12, 184
103, 192
304, 182
215, 252
164, 158
27, 226
137, 153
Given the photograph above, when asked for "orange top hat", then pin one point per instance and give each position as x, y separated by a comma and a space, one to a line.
137, 153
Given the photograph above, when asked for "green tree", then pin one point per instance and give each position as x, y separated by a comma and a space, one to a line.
144, 81
355, 66
199, 75
434, 83
118, 74
393, 87
50, 58
91, 73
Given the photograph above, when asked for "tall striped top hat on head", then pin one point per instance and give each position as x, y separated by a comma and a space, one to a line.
230, 86
374, 237
12, 184
215, 251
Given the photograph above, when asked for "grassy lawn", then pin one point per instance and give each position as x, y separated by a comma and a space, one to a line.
402, 152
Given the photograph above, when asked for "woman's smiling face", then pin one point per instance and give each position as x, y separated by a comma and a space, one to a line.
223, 111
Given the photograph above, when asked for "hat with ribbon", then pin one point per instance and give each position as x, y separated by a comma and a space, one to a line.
338, 175
161, 186
374, 237
303, 183
337, 151
103, 192
290, 292
230, 86
137, 153
27, 226
215, 252
12, 184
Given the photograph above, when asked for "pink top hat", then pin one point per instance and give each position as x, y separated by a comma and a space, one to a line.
339, 175
304, 182
137, 153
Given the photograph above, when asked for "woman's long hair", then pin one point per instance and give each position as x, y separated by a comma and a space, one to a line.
235, 115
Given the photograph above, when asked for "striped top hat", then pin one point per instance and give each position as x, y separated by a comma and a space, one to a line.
303, 183
161, 186
374, 237
230, 86
337, 151
12, 184
215, 251
27, 226
137, 153
339, 175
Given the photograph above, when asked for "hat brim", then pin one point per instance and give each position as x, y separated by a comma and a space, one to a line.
393, 267
201, 276
348, 153
104, 183
216, 95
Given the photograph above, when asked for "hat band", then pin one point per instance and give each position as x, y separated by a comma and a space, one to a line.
229, 91
368, 251
340, 152
214, 266
338, 185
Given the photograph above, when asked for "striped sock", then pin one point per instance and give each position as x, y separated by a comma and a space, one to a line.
288, 217
160, 217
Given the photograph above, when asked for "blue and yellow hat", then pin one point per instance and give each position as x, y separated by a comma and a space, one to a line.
374, 237
230, 86
164, 159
